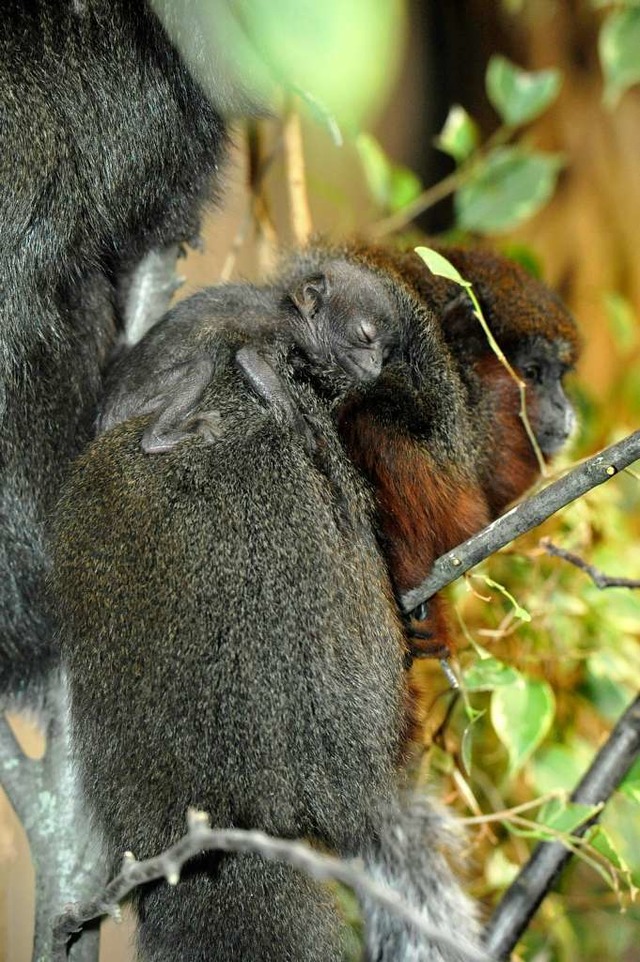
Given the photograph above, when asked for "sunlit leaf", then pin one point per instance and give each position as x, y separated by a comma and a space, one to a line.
499, 871
509, 186
520, 95
460, 135
440, 266
404, 188
619, 47
392, 186
521, 715
485, 675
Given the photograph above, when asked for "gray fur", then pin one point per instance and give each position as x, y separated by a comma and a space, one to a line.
232, 643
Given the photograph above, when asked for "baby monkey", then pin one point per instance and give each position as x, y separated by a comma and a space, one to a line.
337, 316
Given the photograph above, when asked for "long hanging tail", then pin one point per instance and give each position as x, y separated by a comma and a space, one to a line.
408, 856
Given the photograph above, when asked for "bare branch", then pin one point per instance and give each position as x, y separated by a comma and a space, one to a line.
598, 577
525, 894
525, 516
301, 221
200, 837
44, 793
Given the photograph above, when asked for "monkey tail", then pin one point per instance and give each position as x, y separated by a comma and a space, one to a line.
409, 857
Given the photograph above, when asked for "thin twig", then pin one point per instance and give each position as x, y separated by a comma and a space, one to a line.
525, 894
598, 577
428, 198
508, 813
200, 837
525, 516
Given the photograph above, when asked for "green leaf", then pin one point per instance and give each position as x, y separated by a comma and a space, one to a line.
509, 186
460, 136
518, 611
619, 48
520, 95
440, 266
602, 841
623, 321
392, 185
560, 766
405, 186
521, 715
487, 674
564, 816
630, 784
525, 256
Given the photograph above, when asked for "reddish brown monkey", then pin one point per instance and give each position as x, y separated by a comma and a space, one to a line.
427, 506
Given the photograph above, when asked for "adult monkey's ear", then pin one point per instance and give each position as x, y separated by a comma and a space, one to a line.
309, 294
459, 323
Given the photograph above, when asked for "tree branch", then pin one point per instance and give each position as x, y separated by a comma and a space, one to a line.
524, 517
200, 837
525, 894
599, 578
46, 798
300, 212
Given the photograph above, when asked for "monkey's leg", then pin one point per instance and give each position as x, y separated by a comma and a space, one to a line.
266, 383
146, 292
176, 419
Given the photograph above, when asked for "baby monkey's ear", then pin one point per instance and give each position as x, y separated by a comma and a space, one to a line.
309, 294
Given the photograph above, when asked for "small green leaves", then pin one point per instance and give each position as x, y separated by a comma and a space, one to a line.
518, 95
392, 185
489, 673
508, 187
459, 136
631, 783
521, 715
564, 816
619, 47
440, 266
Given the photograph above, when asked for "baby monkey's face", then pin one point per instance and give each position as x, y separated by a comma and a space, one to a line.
346, 317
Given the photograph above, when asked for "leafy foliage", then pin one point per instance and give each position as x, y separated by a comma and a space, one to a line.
507, 188
517, 95
619, 52
549, 661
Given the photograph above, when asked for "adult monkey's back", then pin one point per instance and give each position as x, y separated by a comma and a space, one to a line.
107, 147
232, 643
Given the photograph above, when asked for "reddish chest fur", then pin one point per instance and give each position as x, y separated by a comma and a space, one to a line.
512, 466
425, 508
